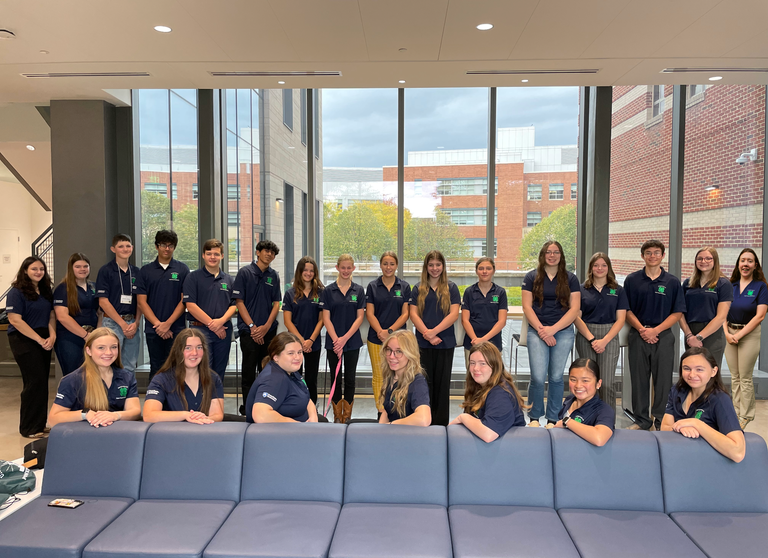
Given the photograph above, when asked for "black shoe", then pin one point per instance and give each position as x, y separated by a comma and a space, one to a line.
242, 410
657, 425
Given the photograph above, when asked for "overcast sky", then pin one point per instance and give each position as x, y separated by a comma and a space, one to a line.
360, 125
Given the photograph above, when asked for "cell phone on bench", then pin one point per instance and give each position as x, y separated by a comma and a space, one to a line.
65, 503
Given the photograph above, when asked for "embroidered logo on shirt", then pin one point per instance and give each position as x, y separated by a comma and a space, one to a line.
578, 419
661, 290
354, 298
266, 395
612, 292
133, 280
223, 286
174, 276
495, 299
123, 390
269, 281
398, 293
750, 293
699, 414
711, 289
316, 299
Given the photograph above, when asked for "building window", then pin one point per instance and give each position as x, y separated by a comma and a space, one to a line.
556, 191
233, 219
195, 191
288, 108
534, 192
464, 186
316, 118
304, 116
289, 231
156, 188
468, 217
574, 190
478, 246
694, 90
658, 100
232, 191
174, 192
534, 218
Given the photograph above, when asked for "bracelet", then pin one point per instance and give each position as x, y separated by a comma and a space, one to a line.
689, 335
592, 340
119, 416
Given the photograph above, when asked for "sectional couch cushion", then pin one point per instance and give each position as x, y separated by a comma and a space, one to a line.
726, 535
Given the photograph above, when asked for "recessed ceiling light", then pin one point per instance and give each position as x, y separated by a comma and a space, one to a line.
715, 78
485, 26
403, 49
162, 29
44, 52
291, 147
401, 81
281, 83
524, 80
31, 147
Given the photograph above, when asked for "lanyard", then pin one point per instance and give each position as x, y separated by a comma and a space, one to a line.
130, 278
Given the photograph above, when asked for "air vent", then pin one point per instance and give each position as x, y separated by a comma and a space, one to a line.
712, 70
86, 74
530, 72
312, 73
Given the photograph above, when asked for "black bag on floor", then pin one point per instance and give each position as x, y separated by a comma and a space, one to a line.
34, 453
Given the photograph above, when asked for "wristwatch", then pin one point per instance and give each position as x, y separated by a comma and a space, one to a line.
566, 418
700, 338
250, 325
84, 414
390, 331
591, 340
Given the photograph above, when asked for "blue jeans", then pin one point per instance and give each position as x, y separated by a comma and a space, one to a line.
218, 350
547, 363
69, 353
158, 349
129, 348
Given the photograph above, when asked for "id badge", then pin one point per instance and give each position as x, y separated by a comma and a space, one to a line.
126, 299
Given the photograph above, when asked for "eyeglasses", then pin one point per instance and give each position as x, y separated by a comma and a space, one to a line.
165, 246
389, 352
705, 259
550, 253
657, 253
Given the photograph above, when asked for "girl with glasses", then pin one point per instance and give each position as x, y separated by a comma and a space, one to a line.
404, 394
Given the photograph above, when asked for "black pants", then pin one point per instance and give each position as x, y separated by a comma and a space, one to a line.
714, 343
253, 354
159, 349
309, 372
35, 365
648, 361
437, 364
349, 368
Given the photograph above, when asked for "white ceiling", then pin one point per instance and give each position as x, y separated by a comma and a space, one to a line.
628, 41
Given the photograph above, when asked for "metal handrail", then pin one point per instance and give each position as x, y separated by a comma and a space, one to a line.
5, 294
45, 233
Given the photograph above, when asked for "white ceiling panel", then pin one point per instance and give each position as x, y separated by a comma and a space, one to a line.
564, 29
720, 30
754, 46
33, 166
392, 25
462, 40
642, 26
647, 72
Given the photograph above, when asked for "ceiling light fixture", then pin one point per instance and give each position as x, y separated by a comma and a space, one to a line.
715, 78
163, 29
531, 72
284, 73
712, 70
7, 34
712, 188
31, 147
281, 83
401, 81
44, 52
86, 74
403, 50
524, 80
485, 26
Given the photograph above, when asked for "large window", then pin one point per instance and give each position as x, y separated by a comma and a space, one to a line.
533, 219
534, 192
555, 191
464, 186
469, 217
288, 108
168, 156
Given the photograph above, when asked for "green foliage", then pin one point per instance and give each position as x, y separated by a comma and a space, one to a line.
440, 233
156, 216
560, 226
514, 295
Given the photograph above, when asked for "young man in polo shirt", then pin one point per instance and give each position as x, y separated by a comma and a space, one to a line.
656, 303
257, 295
116, 290
158, 294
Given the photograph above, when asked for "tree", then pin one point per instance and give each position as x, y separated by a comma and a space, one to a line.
560, 226
357, 230
156, 216
440, 233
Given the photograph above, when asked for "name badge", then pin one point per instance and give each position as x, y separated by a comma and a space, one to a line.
126, 299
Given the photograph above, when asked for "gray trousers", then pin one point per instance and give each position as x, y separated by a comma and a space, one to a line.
646, 361
606, 361
714, 343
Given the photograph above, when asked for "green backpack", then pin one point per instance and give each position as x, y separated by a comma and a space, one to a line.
14, 479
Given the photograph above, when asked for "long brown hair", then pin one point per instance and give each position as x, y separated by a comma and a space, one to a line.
715, 383
474, 393
610, 278
175, 365
278, 345
757, 274
25, 284
716, 273
410, 348
443, 295
562, 290
71, 282
95, 394
298, 280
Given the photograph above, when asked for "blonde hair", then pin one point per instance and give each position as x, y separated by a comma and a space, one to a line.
410, 348
345, 258
443, 295
95, 394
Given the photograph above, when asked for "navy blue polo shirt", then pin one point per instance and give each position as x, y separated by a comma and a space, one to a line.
716, 410
701, 304
418, 395
599, 307
593, 412
387, 304
163, 289
71, 393
652, 301
343, 309
36, 313
285, 393
112, 282
484, 311
212, 294
258, 290
744, 306
550, 311
163, 388
89, 306
433, 315
501, 411
304, 314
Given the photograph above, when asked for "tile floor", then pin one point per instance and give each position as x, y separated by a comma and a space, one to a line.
12, 444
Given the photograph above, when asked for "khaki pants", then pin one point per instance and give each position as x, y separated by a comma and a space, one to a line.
741, 360
374, 351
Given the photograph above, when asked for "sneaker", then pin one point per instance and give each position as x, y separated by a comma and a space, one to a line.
47, 430
37, 436
743, 423
534, 423
242, 410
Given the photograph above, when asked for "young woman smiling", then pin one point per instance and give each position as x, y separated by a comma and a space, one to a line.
484, 308
404, 395
583, 412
